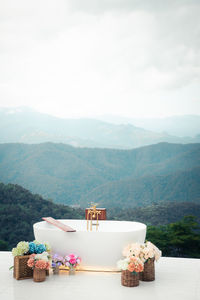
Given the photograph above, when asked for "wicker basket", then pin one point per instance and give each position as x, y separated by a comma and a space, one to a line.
149, 271
129, 279
21, 270
39, 275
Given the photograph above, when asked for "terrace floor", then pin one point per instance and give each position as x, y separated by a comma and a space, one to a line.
176, 279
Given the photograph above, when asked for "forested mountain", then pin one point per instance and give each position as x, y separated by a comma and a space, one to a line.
20, 209
179, 186
135, 177
27, 126
156, 214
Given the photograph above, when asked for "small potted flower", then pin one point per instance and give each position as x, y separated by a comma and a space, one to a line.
21, 254
39, 263
148, 253
131, 267
57, 261
72, 261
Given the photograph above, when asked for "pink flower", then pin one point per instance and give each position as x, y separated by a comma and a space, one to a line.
141, 268
135, 265
30, 262
131, 267
72, 261
41, 264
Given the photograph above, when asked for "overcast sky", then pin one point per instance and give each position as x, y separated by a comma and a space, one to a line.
70, 58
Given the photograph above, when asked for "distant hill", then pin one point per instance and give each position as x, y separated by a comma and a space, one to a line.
23, 125
20, 209
156, 214
181, 186
113, 177
181, 126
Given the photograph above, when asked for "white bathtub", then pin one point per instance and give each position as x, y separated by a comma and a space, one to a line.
99, 250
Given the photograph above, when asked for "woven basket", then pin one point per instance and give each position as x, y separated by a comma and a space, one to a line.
149, 271
129, 279
21, 270
39, 275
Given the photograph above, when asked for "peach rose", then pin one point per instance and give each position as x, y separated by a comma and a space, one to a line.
30, 262
131, 267
40, 264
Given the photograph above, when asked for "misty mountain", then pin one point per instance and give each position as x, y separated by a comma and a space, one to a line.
24, 125
72, 175
180, 126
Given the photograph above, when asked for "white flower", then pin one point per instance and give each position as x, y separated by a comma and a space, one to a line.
157, 253
123, 264
143, 251
133, 249
43, 256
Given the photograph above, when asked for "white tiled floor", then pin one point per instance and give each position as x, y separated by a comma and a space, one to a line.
176, 279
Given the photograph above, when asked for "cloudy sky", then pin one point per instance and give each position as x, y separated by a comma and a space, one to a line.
75, 58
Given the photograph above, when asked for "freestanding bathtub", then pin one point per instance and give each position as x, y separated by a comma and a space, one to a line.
99, 250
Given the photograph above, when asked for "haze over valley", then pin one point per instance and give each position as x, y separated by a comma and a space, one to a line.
23, 125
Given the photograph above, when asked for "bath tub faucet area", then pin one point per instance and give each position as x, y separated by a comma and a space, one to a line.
93, 214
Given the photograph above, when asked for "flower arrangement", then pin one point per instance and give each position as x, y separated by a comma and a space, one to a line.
26, 248
72, 261
39, 261
132, 264
21, 249
144, 251
57, 260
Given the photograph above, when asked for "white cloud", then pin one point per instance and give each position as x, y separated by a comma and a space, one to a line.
70, 58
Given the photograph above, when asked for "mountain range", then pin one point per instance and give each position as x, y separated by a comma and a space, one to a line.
181, 125
113, 178
23, 125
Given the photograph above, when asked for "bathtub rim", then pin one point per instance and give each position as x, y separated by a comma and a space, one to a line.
141, 225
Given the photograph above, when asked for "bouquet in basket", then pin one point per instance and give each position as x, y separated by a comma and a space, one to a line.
147, 253
131, 268
39, 261
132, 264
144, 251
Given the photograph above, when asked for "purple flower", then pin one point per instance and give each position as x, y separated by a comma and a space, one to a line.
57, 259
